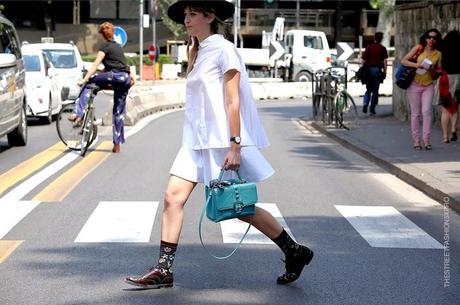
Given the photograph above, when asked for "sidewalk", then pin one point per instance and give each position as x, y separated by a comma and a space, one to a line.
387, 142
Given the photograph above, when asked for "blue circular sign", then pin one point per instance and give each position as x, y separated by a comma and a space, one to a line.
120, 36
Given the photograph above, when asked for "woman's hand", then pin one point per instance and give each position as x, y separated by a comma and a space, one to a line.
81, 82
232, 159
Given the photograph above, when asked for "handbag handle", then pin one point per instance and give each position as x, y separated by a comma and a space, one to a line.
203, 211
221, 174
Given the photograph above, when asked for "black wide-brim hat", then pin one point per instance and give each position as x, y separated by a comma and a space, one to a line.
222, 8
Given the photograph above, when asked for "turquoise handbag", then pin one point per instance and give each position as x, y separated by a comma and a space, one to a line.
227, 199
230, 198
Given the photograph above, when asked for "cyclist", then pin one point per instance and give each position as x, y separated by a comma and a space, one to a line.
116, 76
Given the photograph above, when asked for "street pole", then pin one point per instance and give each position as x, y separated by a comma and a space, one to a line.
141, 37
154, 28
297, 14
235, 24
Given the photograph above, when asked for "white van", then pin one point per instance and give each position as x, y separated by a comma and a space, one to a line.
42, 85
306, 53
66, 59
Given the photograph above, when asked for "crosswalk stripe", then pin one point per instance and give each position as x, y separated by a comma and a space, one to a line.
12, 212
28, 167
63, 185
7, 247
233, 229
119, 221
386, 227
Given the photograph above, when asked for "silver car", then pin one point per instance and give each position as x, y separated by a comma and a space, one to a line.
13, 122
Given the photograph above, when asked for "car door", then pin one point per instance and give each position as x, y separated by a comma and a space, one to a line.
53, 84
8, 109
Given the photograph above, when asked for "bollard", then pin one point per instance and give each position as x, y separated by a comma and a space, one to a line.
157, 71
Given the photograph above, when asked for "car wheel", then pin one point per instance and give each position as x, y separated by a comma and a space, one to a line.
18, 137
303, 76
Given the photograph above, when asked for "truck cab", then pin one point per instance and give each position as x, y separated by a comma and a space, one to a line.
306, 53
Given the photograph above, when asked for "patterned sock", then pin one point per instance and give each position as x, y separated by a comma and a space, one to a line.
167, 255
288, 245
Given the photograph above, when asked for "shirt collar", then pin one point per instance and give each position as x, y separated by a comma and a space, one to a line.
210, 39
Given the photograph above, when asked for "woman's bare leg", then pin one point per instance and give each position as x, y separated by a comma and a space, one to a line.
265, 223
445, 118
176, 195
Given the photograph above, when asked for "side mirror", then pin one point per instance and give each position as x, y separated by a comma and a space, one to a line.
7, 60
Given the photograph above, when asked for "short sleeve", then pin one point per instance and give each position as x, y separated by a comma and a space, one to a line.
229, 60
104, 47
384, 53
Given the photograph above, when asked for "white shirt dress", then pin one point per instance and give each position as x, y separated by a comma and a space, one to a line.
206, 133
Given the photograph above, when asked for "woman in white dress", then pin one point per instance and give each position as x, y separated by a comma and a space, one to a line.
221, 130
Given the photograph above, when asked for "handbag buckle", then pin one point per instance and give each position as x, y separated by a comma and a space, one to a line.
238, 206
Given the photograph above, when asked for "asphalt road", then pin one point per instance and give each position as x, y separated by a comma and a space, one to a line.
52, 256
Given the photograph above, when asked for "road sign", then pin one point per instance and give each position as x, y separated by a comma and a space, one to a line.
120, 36
276, 50
344, 50
152, 52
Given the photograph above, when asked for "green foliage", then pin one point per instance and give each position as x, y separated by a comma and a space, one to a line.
90, 58
165, 59
175, 28
376, 4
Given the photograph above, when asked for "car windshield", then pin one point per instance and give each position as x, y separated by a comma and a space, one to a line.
62, 59
32, 63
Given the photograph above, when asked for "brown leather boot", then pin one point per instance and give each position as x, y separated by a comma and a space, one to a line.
116, 148
155, 278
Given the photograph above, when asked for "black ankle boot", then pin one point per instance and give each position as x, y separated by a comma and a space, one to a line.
295, 264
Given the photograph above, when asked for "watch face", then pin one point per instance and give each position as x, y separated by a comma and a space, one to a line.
236, 139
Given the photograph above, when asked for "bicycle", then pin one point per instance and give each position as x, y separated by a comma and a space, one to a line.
324, 86
78, 135
346, 112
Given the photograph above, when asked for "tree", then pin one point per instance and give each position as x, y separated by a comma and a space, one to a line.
175, 28
386, 15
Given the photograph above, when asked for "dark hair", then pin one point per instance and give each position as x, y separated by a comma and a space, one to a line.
379, 37
425, 35
449, 49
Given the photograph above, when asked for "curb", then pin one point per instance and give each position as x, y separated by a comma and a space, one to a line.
434, 193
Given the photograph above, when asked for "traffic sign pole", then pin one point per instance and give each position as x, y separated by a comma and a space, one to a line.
141, 37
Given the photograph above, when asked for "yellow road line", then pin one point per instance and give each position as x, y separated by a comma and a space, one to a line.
30, 166
7, 247
62, 186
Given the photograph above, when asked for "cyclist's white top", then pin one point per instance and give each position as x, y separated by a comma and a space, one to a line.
206, 125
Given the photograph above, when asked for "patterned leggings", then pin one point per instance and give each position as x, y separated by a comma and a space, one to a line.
120, 83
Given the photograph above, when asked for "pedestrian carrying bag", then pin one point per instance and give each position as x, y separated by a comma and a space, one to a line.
228, 199
405, 75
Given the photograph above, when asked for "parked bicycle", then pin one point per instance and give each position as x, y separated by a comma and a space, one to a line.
78, 135
331, 100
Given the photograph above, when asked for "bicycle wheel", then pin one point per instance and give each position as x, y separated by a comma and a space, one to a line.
87, 132
68, 131
346, 111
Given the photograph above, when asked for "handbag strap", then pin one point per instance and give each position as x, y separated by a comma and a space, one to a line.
203, 211
221, 174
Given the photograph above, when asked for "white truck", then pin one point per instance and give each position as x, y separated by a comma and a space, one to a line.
305, 53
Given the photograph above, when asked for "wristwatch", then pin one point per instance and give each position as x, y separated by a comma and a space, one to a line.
236, 139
